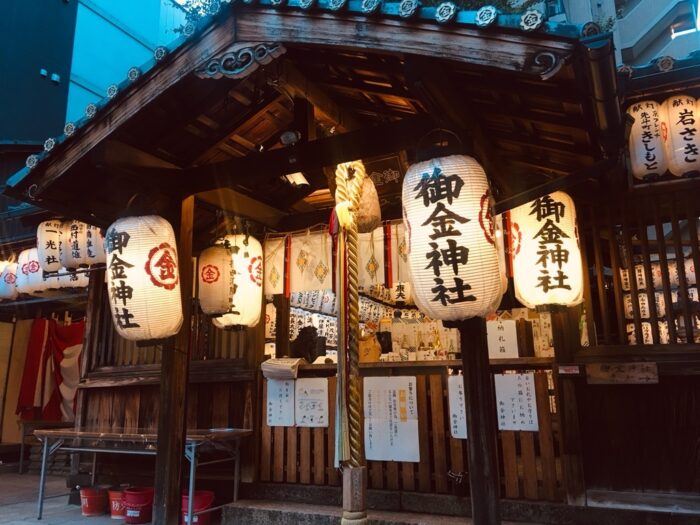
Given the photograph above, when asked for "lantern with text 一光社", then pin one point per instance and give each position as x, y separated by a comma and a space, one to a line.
216, 280
48, 238
29, 273
8, 282
454, 244
647, 139
143, 278
683, 143
547, 268
246, 302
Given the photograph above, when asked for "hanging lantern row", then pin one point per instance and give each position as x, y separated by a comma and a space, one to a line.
68, 244
143, 278
547, 268
664, 137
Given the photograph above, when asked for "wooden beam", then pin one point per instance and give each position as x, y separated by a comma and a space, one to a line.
117, 153
299, 86
173, 388
243, 206
329, 151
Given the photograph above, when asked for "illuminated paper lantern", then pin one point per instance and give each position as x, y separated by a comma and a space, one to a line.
73, 244
246, 303
683, 143
48, 238
547, 266
143, 278
74, 279
215, 274
29, 273
454, 247
647, 139
94, 245
8, 282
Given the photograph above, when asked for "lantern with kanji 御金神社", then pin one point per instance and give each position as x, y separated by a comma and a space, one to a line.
547, 268
246, 302
454, 244
647, 139
48, 238
143, 278
216, 280
683, 143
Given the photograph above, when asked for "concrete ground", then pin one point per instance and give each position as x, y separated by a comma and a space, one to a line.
18, 502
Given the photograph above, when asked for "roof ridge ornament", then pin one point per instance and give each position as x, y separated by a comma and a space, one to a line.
408, 8
370, 7
486, 15
240, 60
531, 20
446, 12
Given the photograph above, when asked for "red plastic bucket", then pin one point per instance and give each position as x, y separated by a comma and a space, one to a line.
138, 505
93, 501
116, 504
202, 501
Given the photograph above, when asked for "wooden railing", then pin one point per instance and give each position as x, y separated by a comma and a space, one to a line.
529, 461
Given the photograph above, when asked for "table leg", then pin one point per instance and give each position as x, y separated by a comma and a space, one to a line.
237, 469
192, 456
94, 469
42, 478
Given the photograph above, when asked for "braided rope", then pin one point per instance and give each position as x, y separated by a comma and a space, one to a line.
349, 189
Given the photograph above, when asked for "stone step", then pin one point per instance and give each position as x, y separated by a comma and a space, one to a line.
263, 512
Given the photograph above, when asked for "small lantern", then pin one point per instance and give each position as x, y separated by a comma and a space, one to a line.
547, 267
74, 279
246, 304
94, 245
143, 278
48, 237
8, 282
647, 139
454, 246
73, 245
29, 274
683, 143
215, 274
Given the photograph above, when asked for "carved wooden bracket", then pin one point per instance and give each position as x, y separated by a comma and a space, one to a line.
240, 60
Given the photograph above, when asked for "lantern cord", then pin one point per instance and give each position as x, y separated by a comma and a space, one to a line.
349, 178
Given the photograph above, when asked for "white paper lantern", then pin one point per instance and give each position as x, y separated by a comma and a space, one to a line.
215, 274
647, 139
143, 278
683, 143
74, 279
29, 273
455, 250
8, 282
547, 266
48, 238
73, 244
246, 304
94, 245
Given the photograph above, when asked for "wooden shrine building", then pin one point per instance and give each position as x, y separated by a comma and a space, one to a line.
202, 134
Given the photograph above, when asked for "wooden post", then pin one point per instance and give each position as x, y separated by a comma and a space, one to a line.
282, 323
173, 389
480, 399
566, 341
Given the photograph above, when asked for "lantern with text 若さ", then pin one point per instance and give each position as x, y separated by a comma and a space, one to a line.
8, 282
48, 238
246, 302
216, 280
683, 143
454, 244
547, 268
647, 140
143, 279
29, 273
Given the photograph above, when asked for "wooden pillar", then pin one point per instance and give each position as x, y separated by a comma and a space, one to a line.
566, 340
480, 400
173, 389
282, 325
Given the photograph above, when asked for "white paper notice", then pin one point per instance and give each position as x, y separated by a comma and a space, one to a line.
311, 402
517, 405
280, 402
391, 419
458, 411
502, 337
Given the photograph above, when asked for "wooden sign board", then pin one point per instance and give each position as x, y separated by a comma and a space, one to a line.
622, 373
